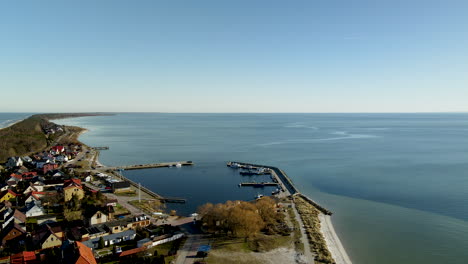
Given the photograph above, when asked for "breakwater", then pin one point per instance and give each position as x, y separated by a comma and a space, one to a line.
150, 166
285, 180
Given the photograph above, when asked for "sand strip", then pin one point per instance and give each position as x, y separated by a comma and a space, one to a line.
333, 242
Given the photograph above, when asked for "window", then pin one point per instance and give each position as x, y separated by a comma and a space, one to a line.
98, 215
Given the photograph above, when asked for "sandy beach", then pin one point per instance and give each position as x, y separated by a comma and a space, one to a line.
333, 242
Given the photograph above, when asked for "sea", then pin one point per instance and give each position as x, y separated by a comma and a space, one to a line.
397, 184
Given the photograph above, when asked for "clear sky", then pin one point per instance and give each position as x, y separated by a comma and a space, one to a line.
234, 56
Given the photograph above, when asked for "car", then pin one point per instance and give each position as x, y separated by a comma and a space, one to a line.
108, 188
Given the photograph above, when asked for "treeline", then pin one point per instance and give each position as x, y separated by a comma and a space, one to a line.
242, 219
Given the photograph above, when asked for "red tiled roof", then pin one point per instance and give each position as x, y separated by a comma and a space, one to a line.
25, 257
132, 251
86, 255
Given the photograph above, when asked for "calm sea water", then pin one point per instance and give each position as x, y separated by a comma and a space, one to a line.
397, 183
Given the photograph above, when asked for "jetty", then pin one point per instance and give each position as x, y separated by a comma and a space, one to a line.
100, 148
258, 184
150, 166
282, 179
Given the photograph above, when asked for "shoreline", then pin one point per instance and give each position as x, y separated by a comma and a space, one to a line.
333, 241
12, 124
327, 230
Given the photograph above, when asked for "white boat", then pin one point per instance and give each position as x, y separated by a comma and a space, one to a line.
178, 165
259, 196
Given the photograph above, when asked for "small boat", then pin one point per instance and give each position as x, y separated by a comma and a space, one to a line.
277, 191
234, 165
258, 196
178, 165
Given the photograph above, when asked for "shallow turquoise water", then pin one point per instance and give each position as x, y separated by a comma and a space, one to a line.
397, 183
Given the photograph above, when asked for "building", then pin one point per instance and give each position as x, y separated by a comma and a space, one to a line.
25, 257
122, 186
14, 162
12, 231
72, 187
111, 239
77, 253
7, 195
49, 167
99, 217
34, 209
48, 236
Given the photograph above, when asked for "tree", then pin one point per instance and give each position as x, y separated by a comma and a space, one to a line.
101, 243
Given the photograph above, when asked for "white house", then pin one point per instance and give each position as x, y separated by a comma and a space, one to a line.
61, 158
14, 162
37, 187
35, 210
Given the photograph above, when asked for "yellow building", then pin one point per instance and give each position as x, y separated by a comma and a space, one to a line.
7, 195
72, 187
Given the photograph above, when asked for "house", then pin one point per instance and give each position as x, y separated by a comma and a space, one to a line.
26, 159
33, 197
48, 167
122, 186
95, 231
14, 216
48, 236
88, 178
62, 158
14, 162
25, 257
7, 195
129, 253
36, 187
111, 239
12, 231
99, 217
73, 187
34, 209
57, 149
77, 253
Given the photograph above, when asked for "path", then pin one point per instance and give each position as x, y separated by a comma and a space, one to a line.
305, 241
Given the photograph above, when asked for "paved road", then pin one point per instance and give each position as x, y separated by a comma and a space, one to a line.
195, 238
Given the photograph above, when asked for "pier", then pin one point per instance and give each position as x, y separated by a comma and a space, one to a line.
173, 200
150, 166
283, 180
100, 148
257, 184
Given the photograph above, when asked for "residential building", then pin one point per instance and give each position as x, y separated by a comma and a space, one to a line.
72, 187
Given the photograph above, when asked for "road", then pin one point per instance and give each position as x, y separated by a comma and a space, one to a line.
195, 238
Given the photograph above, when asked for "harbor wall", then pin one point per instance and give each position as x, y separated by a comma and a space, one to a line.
287, 182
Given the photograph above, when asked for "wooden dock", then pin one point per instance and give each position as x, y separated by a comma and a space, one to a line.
153, 165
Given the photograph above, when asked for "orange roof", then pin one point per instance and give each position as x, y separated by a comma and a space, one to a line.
23, 257
86, 255
132, 251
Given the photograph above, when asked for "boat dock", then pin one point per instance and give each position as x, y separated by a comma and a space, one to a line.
173, 200
257, 184
284, 182
100, 148
153, 165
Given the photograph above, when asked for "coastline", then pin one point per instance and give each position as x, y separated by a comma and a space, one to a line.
333, 241
12, 124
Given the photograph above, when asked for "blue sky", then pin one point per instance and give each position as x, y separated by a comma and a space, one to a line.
234, 56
